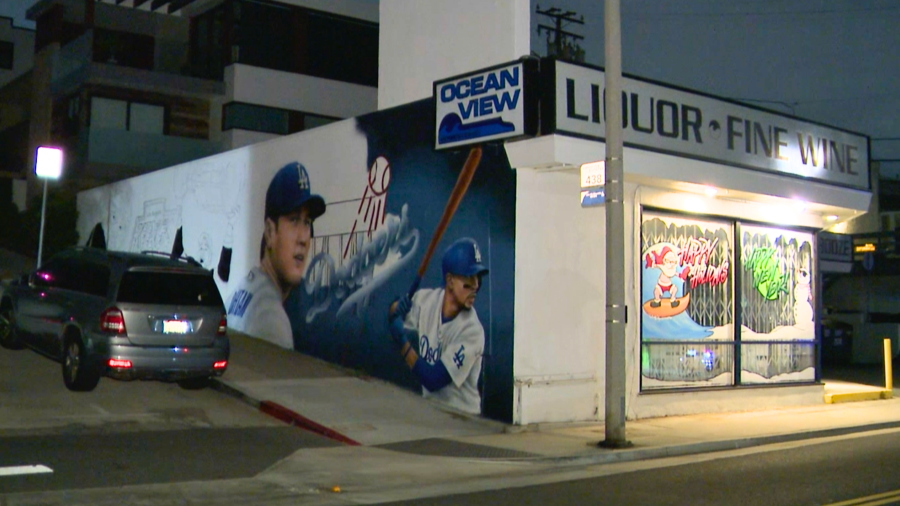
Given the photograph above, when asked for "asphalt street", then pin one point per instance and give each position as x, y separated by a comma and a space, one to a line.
128, 433
858, 470
134, 458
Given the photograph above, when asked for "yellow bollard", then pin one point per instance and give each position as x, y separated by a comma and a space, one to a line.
888, 374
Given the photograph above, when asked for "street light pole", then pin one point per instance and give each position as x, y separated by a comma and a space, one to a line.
43, 218
47, 165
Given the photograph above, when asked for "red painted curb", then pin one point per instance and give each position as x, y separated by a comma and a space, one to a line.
284, 414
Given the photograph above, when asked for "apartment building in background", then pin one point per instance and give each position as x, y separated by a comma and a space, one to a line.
126, 87
16, 54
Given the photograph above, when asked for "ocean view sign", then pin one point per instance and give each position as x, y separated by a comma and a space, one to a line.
670, 120
485, 105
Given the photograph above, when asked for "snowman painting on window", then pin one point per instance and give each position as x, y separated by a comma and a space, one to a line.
803, 310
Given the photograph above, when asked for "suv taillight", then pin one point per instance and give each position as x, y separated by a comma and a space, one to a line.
112, 321
222, 325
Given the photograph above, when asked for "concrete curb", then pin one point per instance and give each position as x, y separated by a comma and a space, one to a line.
286, 415
634, 454
859, 396
282, 413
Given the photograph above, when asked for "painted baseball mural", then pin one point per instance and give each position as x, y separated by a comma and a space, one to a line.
418, 209
313, 237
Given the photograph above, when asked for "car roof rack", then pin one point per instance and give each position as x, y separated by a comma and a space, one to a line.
183, 258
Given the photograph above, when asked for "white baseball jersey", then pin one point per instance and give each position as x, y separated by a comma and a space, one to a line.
458, 344
256, 309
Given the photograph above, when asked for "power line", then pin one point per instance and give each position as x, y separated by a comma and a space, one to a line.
644, 14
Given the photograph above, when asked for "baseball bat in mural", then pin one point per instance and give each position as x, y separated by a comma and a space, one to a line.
459, 191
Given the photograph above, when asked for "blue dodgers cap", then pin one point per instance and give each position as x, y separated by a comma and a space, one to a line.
463, 258
289, 190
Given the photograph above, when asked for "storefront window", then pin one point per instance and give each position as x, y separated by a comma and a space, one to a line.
777, 307
687, 301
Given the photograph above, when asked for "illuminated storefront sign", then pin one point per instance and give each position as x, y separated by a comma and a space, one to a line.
664, 119
486, 105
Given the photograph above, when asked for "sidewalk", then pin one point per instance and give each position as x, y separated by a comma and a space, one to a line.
363, 411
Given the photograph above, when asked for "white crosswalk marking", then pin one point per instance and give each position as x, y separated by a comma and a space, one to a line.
17, 470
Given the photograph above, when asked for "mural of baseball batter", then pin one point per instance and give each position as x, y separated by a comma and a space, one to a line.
256, 306
382, 215
450, 336
686, 302
777, 309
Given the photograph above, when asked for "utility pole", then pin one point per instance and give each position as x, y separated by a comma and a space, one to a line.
616, 357
564, 44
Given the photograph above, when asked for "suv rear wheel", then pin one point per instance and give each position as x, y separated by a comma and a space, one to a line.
8, 337
78, 374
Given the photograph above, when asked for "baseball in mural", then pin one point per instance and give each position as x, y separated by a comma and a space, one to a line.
450, 335
256, 306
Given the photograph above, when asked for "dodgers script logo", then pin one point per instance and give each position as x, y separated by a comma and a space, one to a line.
427, 353
239, 303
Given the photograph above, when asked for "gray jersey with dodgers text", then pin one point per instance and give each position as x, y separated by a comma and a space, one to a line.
458, 344
256, 309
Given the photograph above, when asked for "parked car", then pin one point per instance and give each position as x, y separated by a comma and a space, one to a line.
121, 315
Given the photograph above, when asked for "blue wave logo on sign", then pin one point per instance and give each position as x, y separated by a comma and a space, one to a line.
452, 129
481, 106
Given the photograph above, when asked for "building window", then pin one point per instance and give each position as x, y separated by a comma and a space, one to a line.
686, 302
699, 330
146, 118
6, 55
258, 118
114, 114
284, 37
208, 43
124, 49
777, 316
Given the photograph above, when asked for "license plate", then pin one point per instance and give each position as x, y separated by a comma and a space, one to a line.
175, 327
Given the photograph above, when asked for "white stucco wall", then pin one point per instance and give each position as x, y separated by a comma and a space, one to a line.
421, 41
560, 300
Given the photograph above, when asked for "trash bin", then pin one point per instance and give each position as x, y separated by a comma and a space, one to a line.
837, 343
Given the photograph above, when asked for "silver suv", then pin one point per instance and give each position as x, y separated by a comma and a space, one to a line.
121, 315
